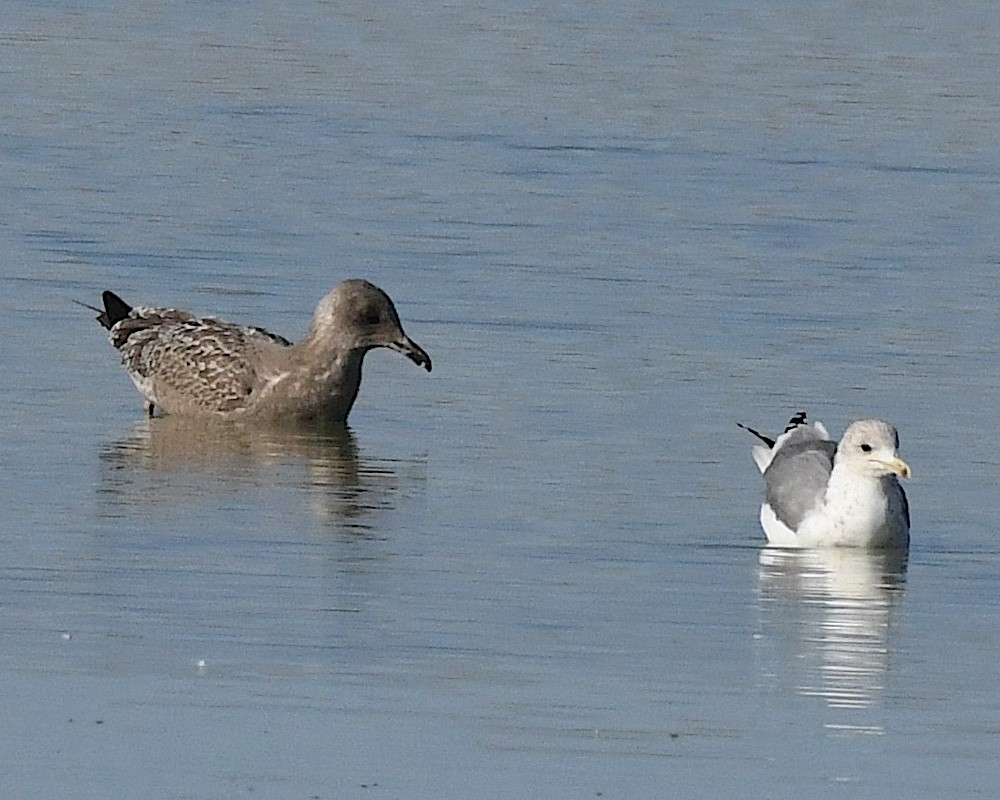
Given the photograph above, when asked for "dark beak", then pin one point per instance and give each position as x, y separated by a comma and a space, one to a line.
412, 351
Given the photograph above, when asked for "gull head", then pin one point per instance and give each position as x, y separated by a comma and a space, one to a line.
870, 447
357, 315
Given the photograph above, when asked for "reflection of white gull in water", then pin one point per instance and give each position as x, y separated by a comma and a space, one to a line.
825, 628
822, 494
204, 367
224, 458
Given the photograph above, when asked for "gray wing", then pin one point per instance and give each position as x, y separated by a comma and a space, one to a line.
797, 476
905, 504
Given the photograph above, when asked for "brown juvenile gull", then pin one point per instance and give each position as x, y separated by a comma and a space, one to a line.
204, 367
819, 493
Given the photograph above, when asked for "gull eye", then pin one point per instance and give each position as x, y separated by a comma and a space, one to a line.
866, 448
371, 316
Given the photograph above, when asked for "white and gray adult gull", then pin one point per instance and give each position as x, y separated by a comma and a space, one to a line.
819, 493
204, 367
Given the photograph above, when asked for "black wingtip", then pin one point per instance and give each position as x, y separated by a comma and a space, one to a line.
799, 418
115, 310
765, 439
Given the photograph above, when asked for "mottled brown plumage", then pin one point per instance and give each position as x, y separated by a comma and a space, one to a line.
204, 367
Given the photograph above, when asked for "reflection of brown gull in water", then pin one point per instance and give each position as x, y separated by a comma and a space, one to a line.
826, 623
204, 367
151, 465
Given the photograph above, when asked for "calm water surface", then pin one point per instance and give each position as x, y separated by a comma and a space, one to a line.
536, 572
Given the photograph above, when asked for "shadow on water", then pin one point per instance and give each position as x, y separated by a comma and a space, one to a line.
172, 460
827, 619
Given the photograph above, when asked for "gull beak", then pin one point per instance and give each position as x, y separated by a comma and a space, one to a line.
897, 467
413, 351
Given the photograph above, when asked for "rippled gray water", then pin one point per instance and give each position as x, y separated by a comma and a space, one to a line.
538, 570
